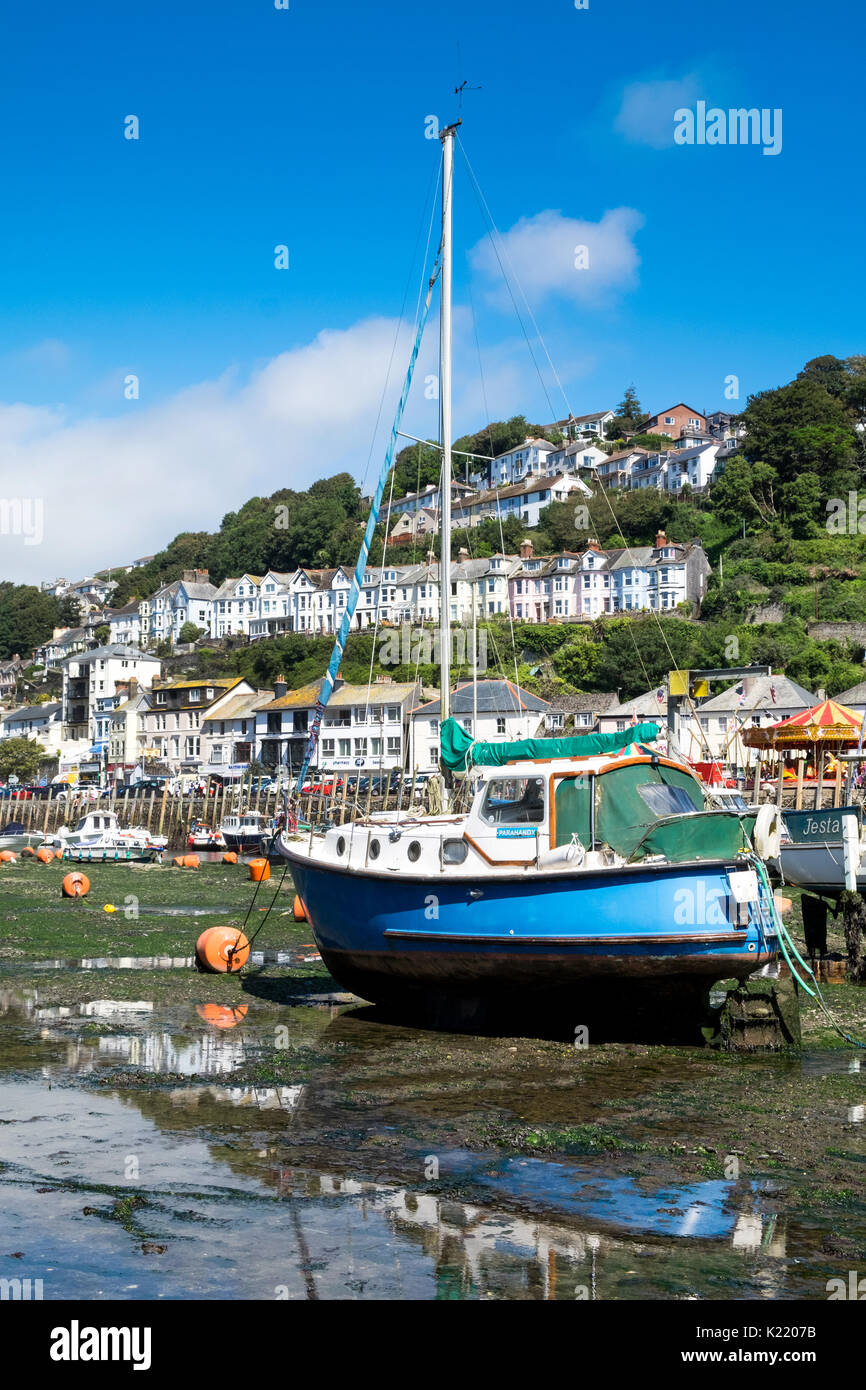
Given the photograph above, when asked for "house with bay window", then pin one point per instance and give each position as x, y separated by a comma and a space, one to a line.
171, 723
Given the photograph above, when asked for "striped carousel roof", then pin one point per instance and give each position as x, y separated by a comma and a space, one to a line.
827, 723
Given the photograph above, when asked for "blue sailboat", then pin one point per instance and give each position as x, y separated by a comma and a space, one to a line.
559, 870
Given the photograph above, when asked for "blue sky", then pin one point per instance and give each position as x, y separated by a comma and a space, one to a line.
306, 127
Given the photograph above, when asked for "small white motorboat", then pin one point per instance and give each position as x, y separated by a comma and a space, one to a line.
98, 836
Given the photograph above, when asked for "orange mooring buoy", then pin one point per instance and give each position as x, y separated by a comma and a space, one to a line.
299, 912
178, 863
28, 850
189, 861
7, 857
230, 857
222, 950
260, 870
44, 855
75, 885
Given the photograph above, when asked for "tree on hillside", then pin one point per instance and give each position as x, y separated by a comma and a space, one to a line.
801, 426
27, 618
744, 491
21, 758
629, 416
68, 611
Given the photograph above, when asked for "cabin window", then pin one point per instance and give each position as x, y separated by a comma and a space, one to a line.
514, 801
665, 800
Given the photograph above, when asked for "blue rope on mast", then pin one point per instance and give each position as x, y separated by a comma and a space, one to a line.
360, 569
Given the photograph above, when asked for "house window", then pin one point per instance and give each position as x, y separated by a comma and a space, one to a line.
345, 747
327, 747
500, 724
434, 755
194, 696
393, 747
360, 748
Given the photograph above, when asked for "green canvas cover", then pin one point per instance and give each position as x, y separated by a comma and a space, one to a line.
622, 817
455, 744
713, 835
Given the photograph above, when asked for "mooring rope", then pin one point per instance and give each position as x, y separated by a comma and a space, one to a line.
787, 942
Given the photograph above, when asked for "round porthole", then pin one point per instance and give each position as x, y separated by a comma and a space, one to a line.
374, 849
414, 851
341, 845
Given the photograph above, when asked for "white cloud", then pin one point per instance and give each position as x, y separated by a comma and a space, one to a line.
646, 112
554, 255
115, 488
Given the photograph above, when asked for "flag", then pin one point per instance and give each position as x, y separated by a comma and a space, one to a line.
773, 693
741, 695
660, 695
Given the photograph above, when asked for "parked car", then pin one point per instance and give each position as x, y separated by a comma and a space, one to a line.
148, 786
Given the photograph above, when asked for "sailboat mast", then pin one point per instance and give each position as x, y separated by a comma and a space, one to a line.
447, 138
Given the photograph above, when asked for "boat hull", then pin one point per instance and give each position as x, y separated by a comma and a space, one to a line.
510, 936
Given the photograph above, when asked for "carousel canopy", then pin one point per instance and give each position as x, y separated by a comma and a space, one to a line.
827, 725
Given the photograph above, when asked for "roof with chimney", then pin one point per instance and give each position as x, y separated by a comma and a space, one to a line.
239, 707
491, 697
304, 698
761, 692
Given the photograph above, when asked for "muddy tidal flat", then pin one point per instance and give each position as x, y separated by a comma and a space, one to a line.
166, 1134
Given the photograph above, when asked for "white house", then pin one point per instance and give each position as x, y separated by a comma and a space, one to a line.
186, 600
494, 711
229, 732
526, 500
125, 625
92, 676
42, 723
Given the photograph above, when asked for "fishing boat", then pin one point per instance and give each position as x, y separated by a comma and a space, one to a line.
247, 832
559, 868
99, 837
204, 837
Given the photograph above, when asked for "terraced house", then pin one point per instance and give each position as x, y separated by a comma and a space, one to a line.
170, 724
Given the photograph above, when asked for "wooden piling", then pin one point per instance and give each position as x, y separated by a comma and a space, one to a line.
819, 788
837, 789
801, 768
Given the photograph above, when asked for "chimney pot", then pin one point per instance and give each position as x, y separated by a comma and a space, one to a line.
526, 549
280, 687
661, 539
